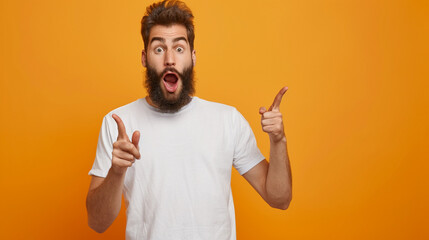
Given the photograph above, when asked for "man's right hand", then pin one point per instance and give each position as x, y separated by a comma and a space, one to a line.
125, 152
104, 198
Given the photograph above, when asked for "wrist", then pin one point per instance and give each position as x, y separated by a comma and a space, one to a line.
281, 139
118, 172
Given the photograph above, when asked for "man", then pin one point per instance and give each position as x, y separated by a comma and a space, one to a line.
175, 171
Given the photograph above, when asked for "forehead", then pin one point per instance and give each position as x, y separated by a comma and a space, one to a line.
168, 33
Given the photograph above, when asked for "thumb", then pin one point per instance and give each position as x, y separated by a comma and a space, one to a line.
135, 139
262, 110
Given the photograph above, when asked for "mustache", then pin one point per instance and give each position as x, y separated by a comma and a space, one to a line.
170, 69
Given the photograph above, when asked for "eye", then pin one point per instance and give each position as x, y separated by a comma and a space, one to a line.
159, 50
180, 49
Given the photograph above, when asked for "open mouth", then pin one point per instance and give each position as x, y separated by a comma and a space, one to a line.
171, 80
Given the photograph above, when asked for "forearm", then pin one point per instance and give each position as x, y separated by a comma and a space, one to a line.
279, 178
104, 202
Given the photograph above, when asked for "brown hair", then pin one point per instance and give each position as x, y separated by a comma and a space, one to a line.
167, 13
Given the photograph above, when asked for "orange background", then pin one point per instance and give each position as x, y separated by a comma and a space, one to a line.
356, 113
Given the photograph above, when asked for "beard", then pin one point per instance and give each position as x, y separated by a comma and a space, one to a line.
153, 85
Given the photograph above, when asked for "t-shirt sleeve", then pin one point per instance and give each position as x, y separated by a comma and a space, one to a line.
246, 152
103, 156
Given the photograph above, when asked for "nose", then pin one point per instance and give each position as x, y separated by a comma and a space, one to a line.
169, 59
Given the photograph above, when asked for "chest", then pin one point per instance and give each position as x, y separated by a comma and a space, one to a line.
196, 147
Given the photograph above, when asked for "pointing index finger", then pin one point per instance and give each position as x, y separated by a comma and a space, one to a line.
122, 133
278, 99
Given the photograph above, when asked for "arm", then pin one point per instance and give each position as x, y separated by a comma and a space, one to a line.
273, 180
104, 197
103, 201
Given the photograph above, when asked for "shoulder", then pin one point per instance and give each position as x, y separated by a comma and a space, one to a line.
137, 105
129, 109
214, 106
126, 112
219, 110
214, 111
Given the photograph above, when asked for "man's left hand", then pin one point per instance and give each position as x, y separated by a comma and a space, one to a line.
272, 119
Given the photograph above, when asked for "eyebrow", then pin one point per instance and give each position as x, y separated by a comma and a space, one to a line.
163, 39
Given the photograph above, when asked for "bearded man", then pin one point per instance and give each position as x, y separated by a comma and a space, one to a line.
175, 171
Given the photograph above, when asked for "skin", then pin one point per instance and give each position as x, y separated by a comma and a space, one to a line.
273, 180
169, 47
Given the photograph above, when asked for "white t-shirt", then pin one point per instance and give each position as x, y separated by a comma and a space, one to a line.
180, 188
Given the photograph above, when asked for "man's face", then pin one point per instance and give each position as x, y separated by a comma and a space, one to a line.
169, 62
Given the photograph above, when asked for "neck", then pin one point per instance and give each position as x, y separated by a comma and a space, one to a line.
150, 102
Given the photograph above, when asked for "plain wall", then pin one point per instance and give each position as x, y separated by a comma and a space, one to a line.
356, 112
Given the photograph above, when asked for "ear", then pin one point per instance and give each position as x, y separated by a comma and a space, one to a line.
143, 58
194, 57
